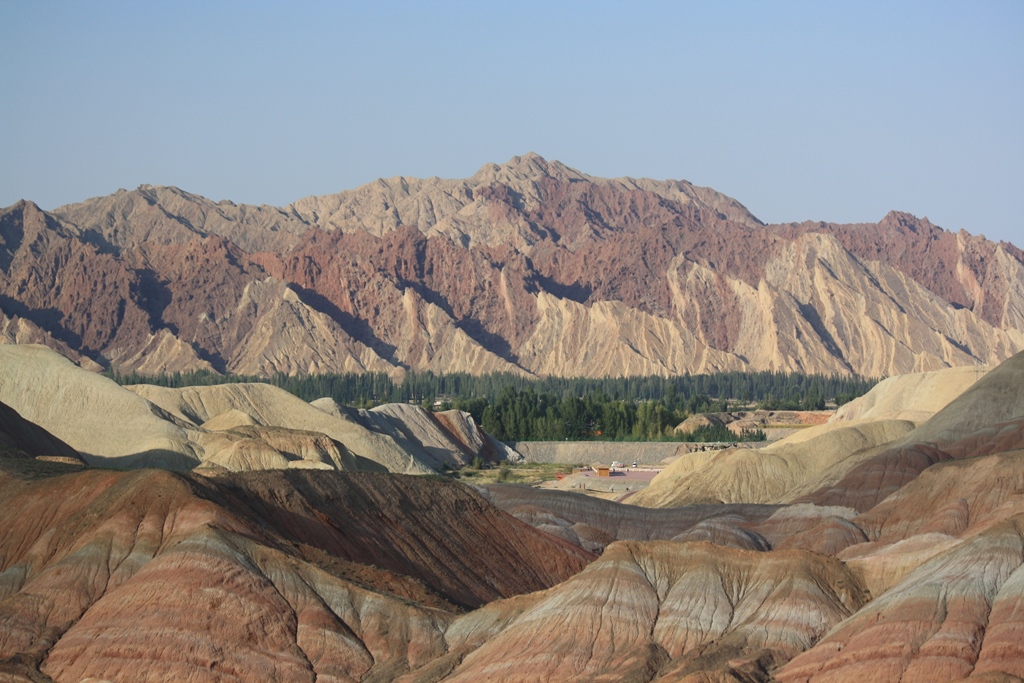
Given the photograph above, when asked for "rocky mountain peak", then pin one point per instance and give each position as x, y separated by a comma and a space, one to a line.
530, 167
528, 266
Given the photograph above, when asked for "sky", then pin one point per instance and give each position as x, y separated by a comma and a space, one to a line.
834, 111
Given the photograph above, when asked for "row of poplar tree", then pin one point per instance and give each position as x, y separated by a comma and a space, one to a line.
515, 408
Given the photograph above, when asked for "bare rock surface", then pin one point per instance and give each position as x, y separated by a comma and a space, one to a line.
448, 438
288, 335
529, 267
235, 426
986, 418
247, 448
873, 480
19, 436
153, 576
583, 516
76, 406
300, 575
664, 609
777, 473
440, 438
915, 396
270, 406
411, 530
858, 462
995, 398
956, 615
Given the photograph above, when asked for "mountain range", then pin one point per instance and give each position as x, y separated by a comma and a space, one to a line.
529, 267
886, 544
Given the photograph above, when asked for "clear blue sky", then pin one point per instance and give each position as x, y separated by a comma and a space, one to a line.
801, 110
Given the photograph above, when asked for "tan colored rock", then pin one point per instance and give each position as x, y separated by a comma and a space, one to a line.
181, 428
420, 430
160, 353
663, 608
610, 339
168, 215
104, 422
246, 448
936, 623
155, 576
873, 480
429, 339
273, 407
21, 438
454, 207
528, 267
593, 523
973, 424
779, 472
228, 419
286, 335
856, 463
914, 396
700, 420
997, 397
15, 330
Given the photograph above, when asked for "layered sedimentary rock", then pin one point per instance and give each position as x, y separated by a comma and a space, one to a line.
956, 615
232, 426
863, 453
915, 396
962, 499
529, 267
78, 407
777, 473
445, 439
294, 575
157, 576
593, 523
987, 417
661, 609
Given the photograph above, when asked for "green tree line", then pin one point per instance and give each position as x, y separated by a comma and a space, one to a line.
528, 416
512, 407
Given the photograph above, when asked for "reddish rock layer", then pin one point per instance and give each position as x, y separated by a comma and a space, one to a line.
529, 267
661, 609
872, 481
441, 533
593, 523
156, 576
958, 614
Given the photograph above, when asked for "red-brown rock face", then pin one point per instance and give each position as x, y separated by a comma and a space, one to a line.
152, 576
665, 610
302, 575
956, 615
530, 267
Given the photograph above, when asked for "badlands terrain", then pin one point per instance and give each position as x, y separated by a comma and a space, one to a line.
529, 267
235, 532
285, 541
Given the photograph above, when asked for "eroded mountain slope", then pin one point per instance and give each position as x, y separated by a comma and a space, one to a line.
528, 267
662, 609
232, 426
856, 462
160, 576
294, 575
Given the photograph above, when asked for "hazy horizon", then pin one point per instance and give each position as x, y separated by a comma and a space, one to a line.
801, 111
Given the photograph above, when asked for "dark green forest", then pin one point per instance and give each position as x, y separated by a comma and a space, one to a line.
515, 408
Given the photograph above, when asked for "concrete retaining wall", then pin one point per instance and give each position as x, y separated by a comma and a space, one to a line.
590, 452
587, 452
